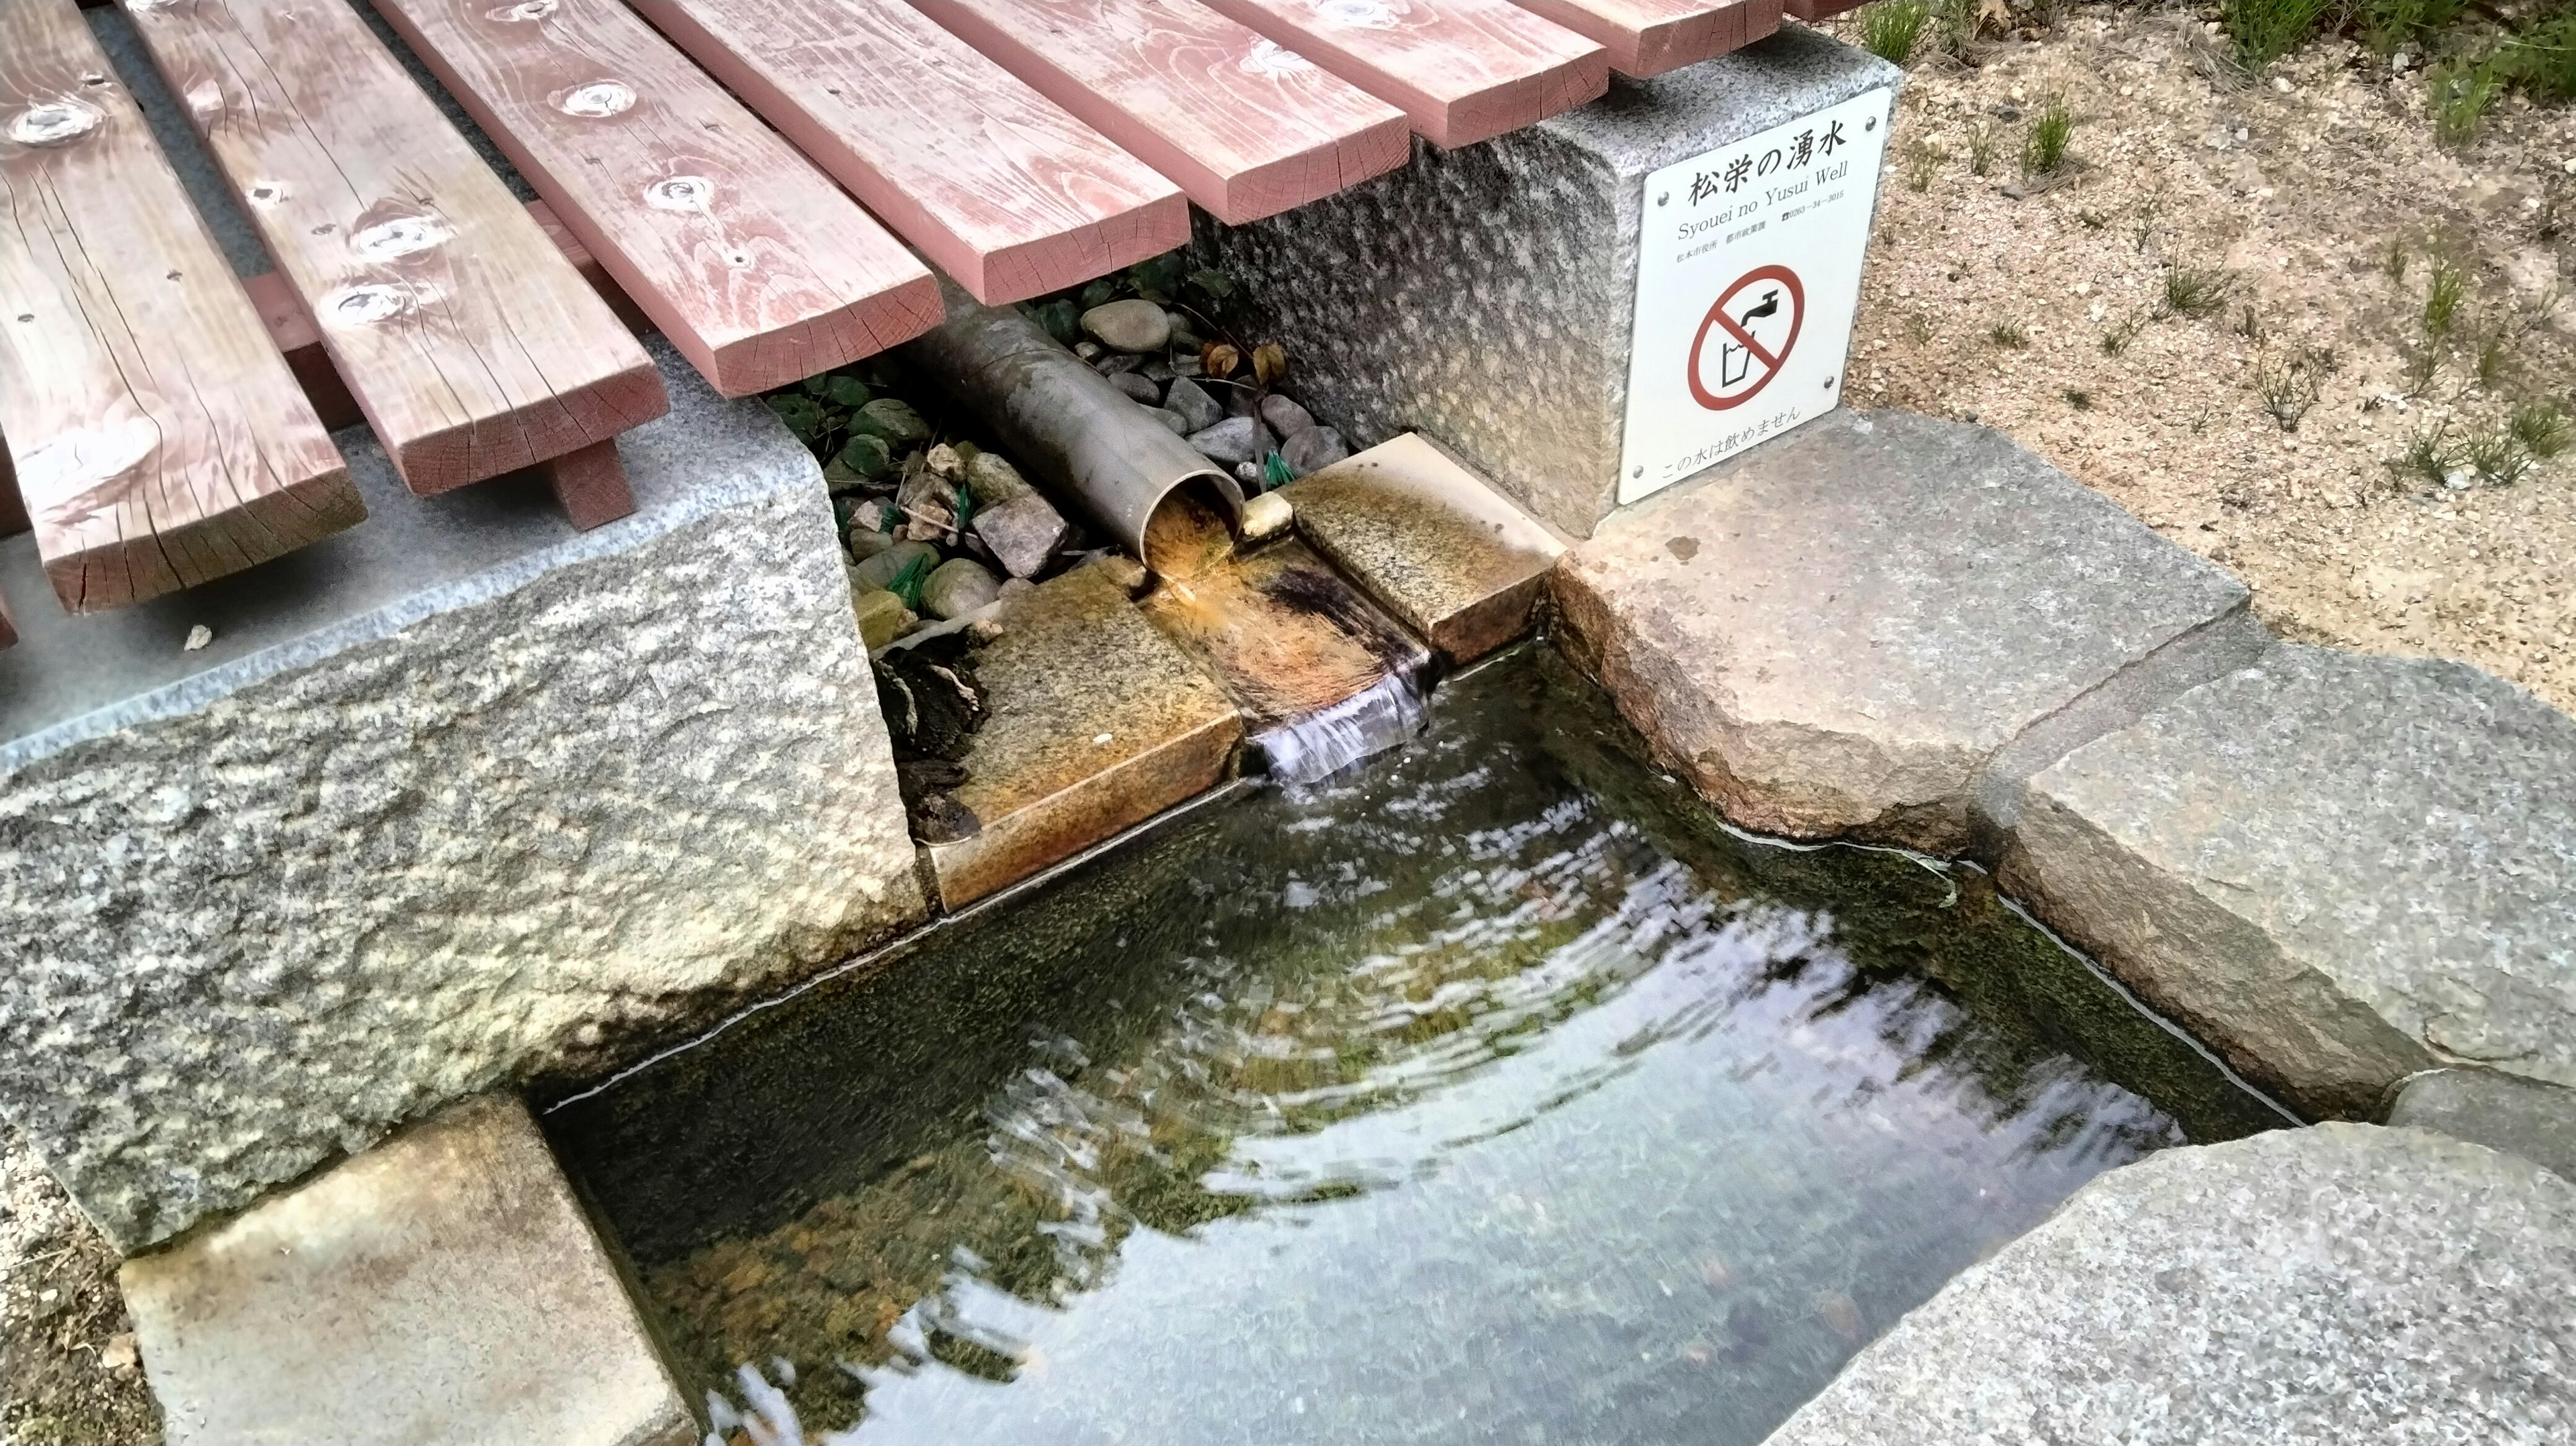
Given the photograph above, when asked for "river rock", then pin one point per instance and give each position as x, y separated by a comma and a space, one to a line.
1138, 387
893, 419
1172, 419
1023, 532
1110, 364
1847, 630
882, 617
1284, 416
882, 569
866, 542
1233, 441
992, 480
1133, 325
2320, 1287
1194, 405
2337, 869
1312, 450
2498, 1110
957, 587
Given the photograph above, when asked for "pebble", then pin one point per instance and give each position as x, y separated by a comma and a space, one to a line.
1193, 405
882, 569
198, 637
867, 542
943, 459
894, 420
1133, 325
1124, 572
1232, 441
1249, 474
1179, 424
881, 615
1139, 388
958, 587
991, 479
1284, 416
1116, 362
1267, 515
1312, 450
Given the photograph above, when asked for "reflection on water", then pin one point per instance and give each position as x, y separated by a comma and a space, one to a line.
1483, 1093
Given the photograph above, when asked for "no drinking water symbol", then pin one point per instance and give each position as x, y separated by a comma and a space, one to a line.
1756, 321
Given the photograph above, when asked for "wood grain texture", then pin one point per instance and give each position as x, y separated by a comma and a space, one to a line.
1464, 70
996, 184
472, 346
1815, 10
591, 485
1649, 37
156, 437
757, 267
1247, 129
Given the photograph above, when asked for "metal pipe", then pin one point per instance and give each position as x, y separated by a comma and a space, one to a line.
1064, 421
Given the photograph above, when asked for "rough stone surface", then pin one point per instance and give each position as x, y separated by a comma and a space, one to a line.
1193, 404
1023, 533
2500, 1111
2336, 869
1128, 326
1840, 632
958, 587
2319, 1287
1449, 556
1097, 722
1499, 326
507, 820
1312, 450
443, 1289
1234, 441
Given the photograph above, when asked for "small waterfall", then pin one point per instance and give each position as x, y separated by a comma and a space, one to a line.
1322, 743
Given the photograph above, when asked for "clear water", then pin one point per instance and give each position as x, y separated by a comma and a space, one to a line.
1486, 1092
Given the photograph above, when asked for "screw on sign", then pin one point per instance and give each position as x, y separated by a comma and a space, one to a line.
1755, 322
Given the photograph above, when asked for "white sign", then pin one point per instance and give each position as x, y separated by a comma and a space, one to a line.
1746, 290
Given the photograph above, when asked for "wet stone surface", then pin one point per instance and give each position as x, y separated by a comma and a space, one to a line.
1485, 1093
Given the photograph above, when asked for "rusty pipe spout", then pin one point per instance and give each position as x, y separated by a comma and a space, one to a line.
1067, 423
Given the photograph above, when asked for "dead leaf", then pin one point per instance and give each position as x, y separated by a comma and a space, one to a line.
1218, 359
1269, 362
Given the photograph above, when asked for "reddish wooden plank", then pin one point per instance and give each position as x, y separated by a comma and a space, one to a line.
1649, 37
591, 485
1464, 70
1812, 11
156, 438
998, 185
1248, 129
470, 344
754, 265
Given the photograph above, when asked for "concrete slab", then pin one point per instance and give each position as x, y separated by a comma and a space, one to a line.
2338, 870
455, 797
1437, 547
1485, 296
2500, 1111
1097, 722
442, 1289
2316, 1287
1851, 630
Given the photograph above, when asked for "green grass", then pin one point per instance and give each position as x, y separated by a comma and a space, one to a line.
2196, 291
2541, 61
2428, 456
2043, 147
1922, 162
2497, 455
2460, 93
2388, 24
2445, 291
2009, 335
2262, 31
2290, 386
1891, 29
2542, 428
1983, 140
2122, 332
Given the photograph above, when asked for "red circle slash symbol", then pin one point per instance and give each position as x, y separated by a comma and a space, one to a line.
1753, 364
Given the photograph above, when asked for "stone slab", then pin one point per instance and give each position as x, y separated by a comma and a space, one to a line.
1499, 325
1096, 722
1448, 555
2500, 1111
2337, 870
442, 1289
1844, 631
456, 797
2318, 1287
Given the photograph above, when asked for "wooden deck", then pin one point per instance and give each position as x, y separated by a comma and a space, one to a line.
156, 437
471, 345
1649, 37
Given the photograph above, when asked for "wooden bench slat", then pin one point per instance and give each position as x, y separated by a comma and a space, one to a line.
157, 439
469, 342
1650, 37
998, 185
1464, 70
757, 267
1247, 128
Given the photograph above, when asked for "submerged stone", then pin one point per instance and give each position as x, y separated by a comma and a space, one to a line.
2318, 1287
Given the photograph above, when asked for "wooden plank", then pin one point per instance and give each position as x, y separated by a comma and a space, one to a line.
1813, 11
1650, 37
754, 265
1246, 128
591, 485
1464, 70
470, 344
156, 437
996, 184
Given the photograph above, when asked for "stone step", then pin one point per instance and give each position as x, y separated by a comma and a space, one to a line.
2337, 869
1857, 629
1436, 545
2317, 1287
442, 1289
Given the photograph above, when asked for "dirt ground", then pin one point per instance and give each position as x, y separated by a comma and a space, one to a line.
2297, 187
68, 1373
